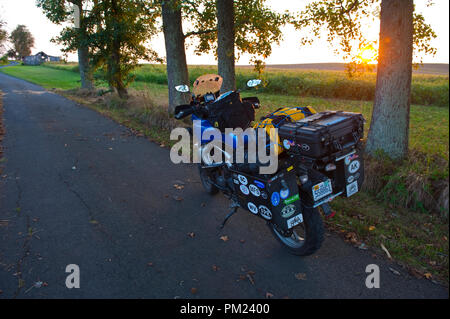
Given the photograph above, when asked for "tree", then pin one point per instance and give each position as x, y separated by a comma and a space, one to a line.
174, 38
225, 43
122, 29
402, 32
74, 38
256, 28
3, 35
22, 40
389, 130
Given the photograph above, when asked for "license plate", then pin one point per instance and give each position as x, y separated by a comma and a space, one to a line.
321, 190
352, 188
294, 221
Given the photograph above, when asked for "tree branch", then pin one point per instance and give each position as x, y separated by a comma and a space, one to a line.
189, 34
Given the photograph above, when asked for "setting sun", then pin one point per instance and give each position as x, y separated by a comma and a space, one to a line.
368, 55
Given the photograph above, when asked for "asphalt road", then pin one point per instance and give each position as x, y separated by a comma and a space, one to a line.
77, 188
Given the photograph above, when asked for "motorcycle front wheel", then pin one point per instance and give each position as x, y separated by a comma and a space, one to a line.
306, 238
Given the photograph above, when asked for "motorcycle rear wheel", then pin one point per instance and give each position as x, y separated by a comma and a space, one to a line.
306, 238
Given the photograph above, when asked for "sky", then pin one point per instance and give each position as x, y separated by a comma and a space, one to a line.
15, 12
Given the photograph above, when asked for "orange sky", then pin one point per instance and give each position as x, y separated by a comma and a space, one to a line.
288, 52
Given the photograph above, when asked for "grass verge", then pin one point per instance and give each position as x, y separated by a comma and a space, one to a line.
396, 209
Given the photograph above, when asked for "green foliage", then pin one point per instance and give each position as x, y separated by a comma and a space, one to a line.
257, 28
122, 30
3, 35
4, 60
115, 31
22, 40
343, 20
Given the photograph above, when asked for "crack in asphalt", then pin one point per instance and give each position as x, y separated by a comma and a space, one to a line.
26, 246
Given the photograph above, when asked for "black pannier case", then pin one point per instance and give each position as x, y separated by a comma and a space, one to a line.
230, 112
322, 134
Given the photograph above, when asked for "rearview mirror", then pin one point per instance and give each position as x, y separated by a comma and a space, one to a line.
182, 88
253, 83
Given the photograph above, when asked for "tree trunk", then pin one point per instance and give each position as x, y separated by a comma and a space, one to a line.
86, 76
177, 70
116, 71
225, 44
87, 81
389, 131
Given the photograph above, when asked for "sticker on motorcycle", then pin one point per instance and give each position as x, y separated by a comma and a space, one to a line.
294, 221
242, 179
264, 195
254, 190
236, 181
354, 166
244, 190
288, 211
252, 208
284, 193
350, 158
292, 199
275, 199
350, 179
259, 184
287, 144
352, 188
265, 212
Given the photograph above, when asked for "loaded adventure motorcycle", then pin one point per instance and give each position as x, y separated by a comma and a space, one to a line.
319, 158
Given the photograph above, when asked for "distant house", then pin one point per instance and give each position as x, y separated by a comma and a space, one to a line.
39, 58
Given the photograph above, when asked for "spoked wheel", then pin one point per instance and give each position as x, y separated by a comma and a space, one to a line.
306, 238
206, 178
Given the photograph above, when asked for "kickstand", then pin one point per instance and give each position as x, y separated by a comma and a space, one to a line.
234, 207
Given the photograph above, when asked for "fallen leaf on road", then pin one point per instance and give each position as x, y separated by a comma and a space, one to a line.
179, 187
371, 228
242, 241
224, 238
177, 198
351, 237
428, 275
250, 278
192, 235
215, 267
300, 276
268, 295
363, 246
395, 272
193, 291
150, 264
415, 273
386, 251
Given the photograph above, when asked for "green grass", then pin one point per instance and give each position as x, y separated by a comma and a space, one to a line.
403, 223
426, 89
46, 77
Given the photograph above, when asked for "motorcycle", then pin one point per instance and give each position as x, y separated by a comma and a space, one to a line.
319, 158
